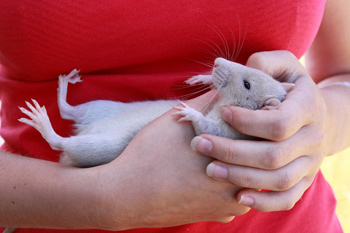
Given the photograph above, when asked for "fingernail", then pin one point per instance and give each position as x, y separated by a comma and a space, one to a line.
247, 201
201, 145
226, 114
216, 171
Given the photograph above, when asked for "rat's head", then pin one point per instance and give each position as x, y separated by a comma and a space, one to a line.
247, 87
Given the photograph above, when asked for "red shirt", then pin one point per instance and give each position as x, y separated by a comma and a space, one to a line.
136, 50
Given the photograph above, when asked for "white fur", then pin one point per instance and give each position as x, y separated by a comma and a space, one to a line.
104, 128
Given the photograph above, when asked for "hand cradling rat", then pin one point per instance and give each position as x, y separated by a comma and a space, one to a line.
105, 128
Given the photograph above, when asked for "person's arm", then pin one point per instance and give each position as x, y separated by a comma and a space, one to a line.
158, 181
37, 193
328, 63
310, 124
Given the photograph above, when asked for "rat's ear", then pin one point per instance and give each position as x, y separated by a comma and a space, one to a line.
270, 104
288, 86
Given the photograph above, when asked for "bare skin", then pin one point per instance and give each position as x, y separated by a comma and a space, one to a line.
310, 124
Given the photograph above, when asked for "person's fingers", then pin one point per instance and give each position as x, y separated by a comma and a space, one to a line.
281, 65
275, 180
296, 111
274, 201
258, 154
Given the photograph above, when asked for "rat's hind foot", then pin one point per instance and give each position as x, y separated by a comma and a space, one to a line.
187, 113
200, 80
73, 77
66, 110
41, 122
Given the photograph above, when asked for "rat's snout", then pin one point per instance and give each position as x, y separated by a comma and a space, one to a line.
220, 72
222, 62
219, 62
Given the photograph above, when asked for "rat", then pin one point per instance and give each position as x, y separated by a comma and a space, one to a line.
104, 128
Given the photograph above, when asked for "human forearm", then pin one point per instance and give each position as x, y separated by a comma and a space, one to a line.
158, 181
328, 63
41, 194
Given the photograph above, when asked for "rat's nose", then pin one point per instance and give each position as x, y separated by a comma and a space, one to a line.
220, 61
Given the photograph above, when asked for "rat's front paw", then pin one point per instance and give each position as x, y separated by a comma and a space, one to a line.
200, 80
187, 113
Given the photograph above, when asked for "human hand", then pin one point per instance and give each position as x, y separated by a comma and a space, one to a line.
159, 181
296, 140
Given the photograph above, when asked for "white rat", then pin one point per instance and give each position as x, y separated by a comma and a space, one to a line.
105, 128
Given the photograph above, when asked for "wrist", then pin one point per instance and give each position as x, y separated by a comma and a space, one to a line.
86, 197
117, 203
105, 202
336, 126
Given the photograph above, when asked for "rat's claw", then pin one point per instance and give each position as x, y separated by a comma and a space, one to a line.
178, 108
182, 119
72, 77
183, 104
28, 113
75, 79
200, 80
35, 114
41, 110
73, 73
26, 121
186, 112
181, 108
30, 106
36, 109
177, 113
193, 81
38, 119
36, 104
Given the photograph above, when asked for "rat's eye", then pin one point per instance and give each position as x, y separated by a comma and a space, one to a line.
246, 84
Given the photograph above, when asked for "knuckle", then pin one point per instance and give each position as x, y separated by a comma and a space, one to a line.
229, 154
226, 220
289, 55
318, 139
288, 205
239, 210
256, 60
273, 158
240, 121
319, 136
280, 128
232, 213
285, 182
244, 180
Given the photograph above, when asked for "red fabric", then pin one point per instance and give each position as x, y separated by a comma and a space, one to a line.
137, 50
